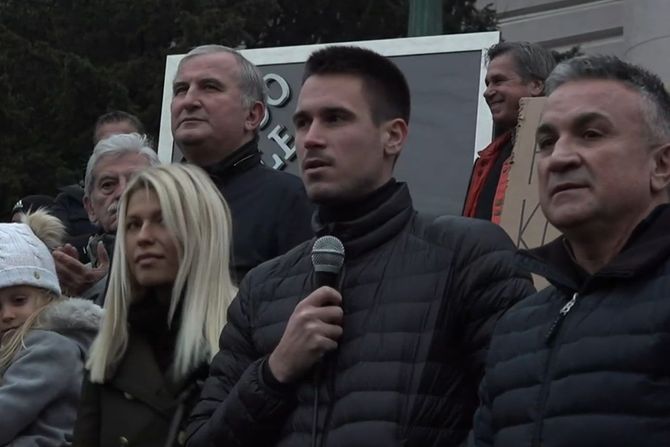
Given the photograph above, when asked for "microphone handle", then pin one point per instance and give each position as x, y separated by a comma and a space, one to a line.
326, 279
331, 280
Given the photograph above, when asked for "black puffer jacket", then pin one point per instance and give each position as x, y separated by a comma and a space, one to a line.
420, 298
599, 375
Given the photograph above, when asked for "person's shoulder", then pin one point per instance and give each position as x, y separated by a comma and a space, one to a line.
533, 309
469, 233
40, 336
50, 344
292, 263
277, 177
46, 357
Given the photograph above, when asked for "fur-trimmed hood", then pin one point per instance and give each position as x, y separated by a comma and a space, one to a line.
75, 318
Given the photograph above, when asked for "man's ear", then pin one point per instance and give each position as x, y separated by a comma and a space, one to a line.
660, 172
89, 210
394, 136
254, 116
536, 87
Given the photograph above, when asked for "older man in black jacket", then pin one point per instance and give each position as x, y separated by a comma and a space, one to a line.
392, 358
217, 107
585, 361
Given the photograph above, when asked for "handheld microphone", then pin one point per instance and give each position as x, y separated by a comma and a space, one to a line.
327, 259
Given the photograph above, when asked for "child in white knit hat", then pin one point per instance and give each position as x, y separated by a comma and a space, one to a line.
44, 337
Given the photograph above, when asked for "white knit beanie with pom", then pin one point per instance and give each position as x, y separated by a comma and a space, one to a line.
25, 260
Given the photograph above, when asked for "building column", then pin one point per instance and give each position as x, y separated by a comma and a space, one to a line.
647, 35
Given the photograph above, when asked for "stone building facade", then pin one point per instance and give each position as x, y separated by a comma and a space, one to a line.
636, 30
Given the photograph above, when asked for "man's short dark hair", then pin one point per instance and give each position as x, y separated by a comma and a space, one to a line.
656, 100
389, 92
533, 62
117, 116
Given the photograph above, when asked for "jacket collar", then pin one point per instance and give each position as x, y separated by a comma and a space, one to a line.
242, 159
647, 247
492, 150
373, 228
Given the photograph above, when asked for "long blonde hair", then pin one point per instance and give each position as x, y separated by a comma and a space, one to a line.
51, 231
194, 211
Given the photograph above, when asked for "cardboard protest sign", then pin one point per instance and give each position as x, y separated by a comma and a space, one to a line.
522, 218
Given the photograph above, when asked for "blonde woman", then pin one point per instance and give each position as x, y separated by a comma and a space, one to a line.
166, 304
44, 337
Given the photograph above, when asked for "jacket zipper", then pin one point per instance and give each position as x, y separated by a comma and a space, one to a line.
556, 325
544, 390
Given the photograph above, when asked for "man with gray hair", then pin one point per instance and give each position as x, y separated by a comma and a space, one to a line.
584, 362
114, 160
515, 70
69, 206
217, 106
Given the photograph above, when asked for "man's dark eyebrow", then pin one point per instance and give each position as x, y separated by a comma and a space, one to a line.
341, 112
178, 84
494, 77
544, 128
210, 80
582, 120
300, 114
106, 176
589, 117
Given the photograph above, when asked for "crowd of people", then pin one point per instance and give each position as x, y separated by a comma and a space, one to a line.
164, 305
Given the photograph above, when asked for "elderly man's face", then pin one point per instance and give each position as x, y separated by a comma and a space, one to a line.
594, 160
110, 177
209, 118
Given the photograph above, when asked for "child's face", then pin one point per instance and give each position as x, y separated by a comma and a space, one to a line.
17, 303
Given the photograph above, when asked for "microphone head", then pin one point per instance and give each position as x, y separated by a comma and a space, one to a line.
328, 255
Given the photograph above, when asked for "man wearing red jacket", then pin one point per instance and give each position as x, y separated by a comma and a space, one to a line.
515, 70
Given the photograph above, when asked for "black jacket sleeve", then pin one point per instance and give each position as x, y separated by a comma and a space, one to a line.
487, 283
237, 406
